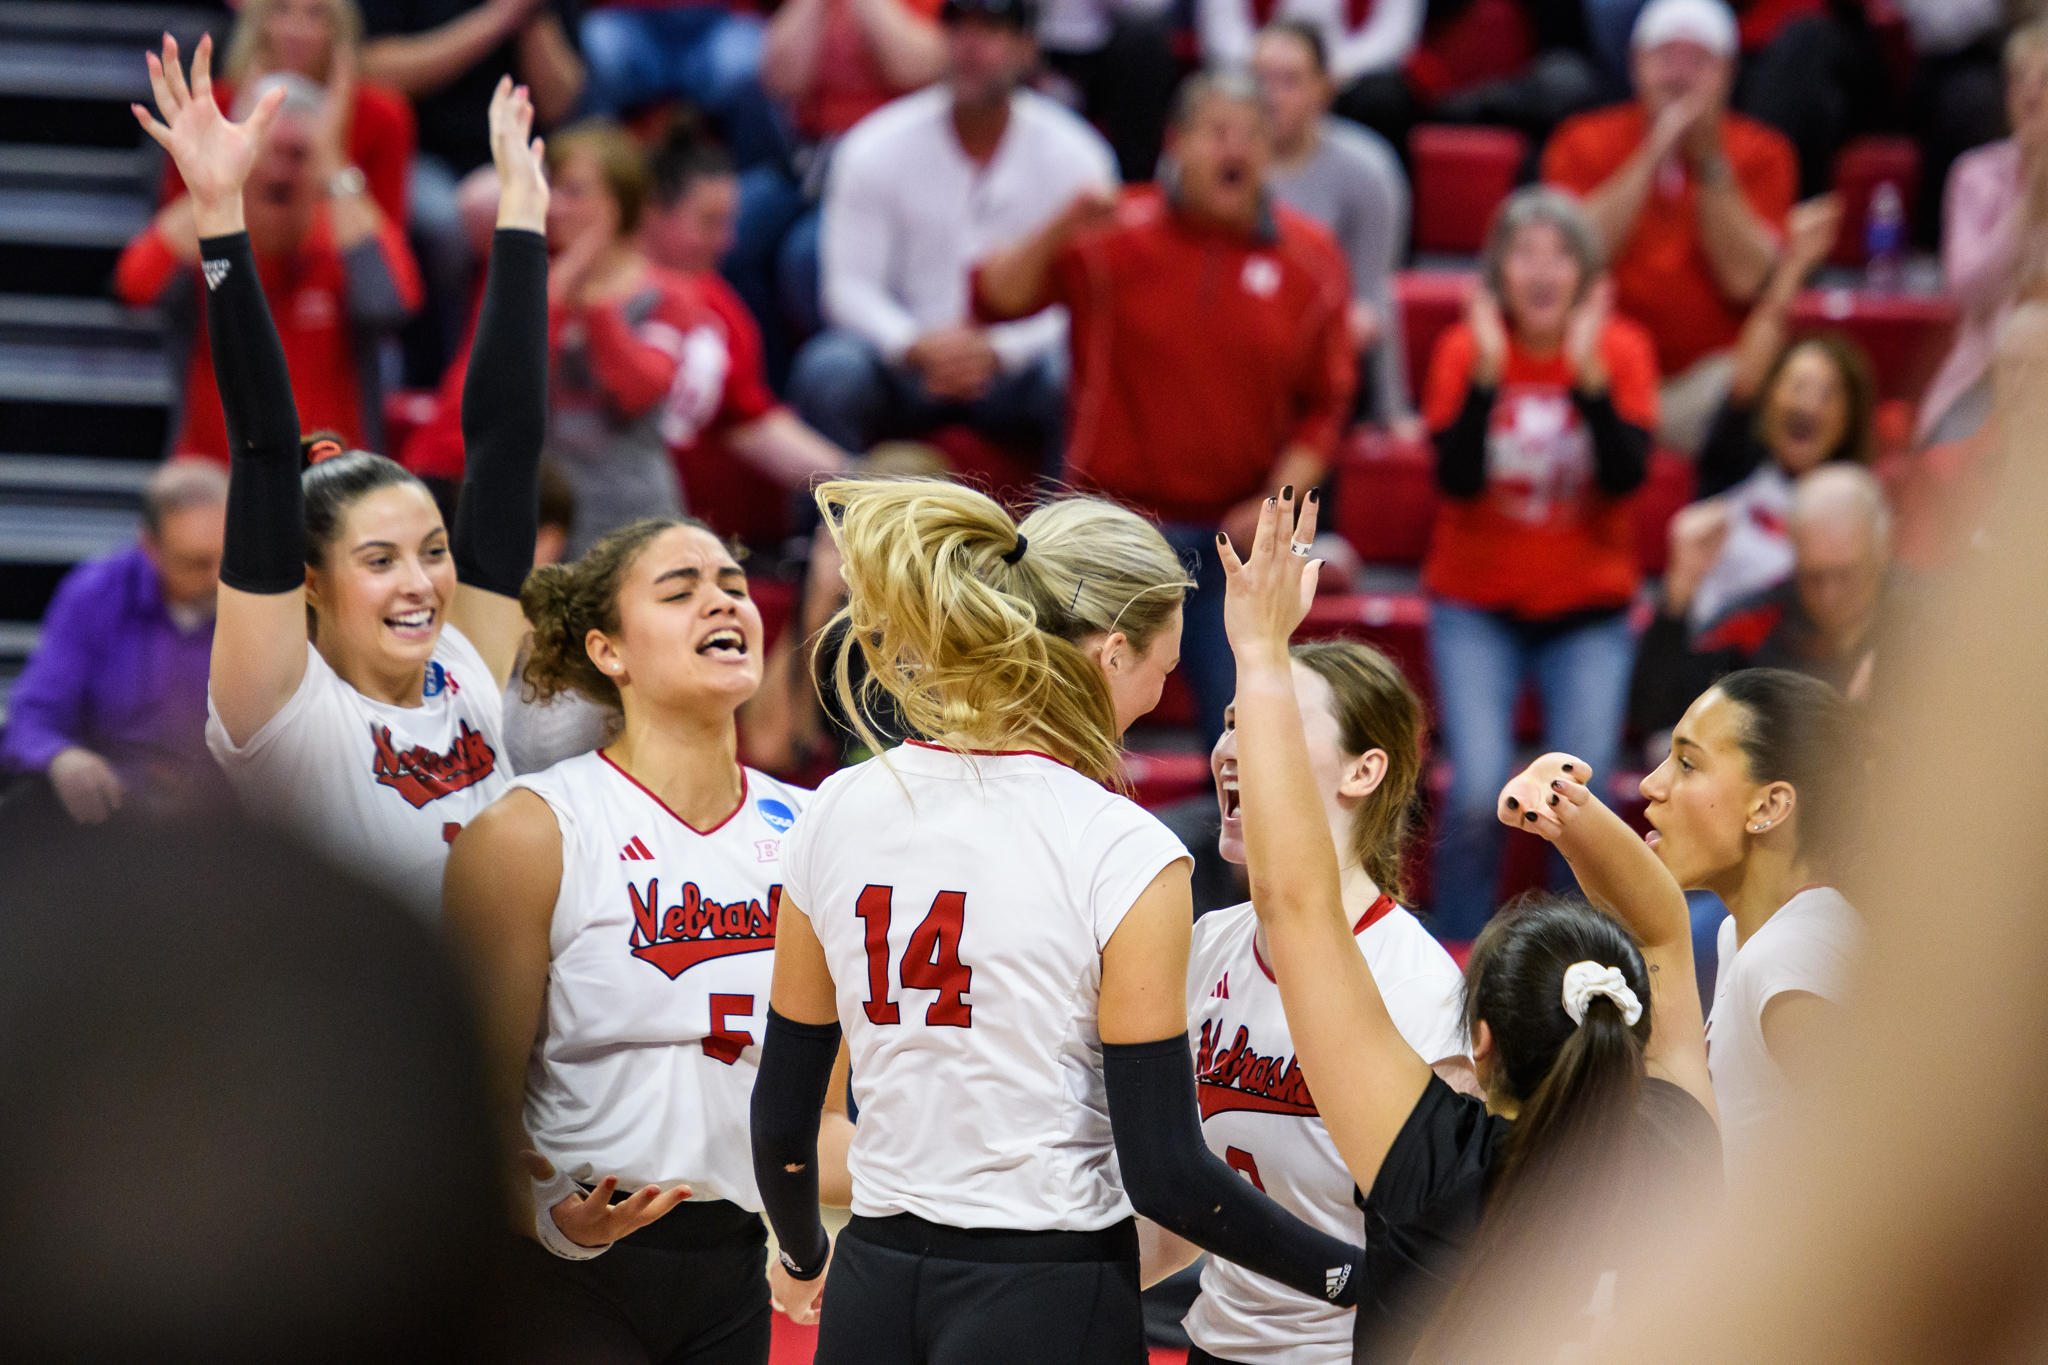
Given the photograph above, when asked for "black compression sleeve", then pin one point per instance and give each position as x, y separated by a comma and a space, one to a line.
1621, 450
1461, 446
265, 551
1175, 1180
789, 1092
505, 418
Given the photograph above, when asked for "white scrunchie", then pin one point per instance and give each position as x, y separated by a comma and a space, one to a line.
546, 1194
1584, 980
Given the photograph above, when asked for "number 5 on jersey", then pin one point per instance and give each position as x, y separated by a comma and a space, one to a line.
931, 960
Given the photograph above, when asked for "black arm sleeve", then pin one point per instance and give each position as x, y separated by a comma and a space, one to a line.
1731, 453
789, 1093
1621, 450
505, 418
1461, 446
265, 551
1176, 1181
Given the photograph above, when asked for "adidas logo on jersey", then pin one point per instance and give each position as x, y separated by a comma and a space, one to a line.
1222, 991
215, 272
635, 852
1334, 1280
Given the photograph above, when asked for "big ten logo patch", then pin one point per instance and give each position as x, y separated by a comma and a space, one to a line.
695, 928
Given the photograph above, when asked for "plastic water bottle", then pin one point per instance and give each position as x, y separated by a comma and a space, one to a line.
1884, 239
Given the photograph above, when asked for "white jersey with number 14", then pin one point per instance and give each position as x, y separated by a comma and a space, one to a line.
963, 902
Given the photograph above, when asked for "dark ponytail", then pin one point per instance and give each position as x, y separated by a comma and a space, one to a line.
1558, 1185
1801, 731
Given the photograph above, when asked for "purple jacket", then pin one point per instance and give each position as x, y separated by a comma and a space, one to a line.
115, 674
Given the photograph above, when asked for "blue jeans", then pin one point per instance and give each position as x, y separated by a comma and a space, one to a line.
1205, 657
1481, 660
704, 52
842, 386
1610, 24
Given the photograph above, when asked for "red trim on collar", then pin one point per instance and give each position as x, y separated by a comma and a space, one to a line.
665, 806
1374, 913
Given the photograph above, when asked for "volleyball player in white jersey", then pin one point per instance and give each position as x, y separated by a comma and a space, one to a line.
1365, 727
375, 740
619, 909
1005, 941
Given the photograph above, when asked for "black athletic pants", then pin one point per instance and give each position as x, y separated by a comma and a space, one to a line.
690, 1288
903, 1291
1198, 1356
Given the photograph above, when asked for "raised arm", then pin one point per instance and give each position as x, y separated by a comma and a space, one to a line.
1620, 874
1016, 281
1616, 203
1740, 244
504, 398
1365, 1077
259, 634
1810, 235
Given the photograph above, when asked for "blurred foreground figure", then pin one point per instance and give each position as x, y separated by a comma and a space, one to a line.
248, 1087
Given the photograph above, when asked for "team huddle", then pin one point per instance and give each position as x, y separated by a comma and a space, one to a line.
960, 989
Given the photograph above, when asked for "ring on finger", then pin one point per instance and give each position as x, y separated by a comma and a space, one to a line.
1298, 548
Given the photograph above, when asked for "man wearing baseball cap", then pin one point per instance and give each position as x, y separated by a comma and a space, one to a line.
1690, 197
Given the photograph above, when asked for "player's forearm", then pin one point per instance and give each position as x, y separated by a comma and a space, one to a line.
1623, 875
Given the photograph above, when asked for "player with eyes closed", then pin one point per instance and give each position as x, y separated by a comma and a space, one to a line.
618, 911
360, 651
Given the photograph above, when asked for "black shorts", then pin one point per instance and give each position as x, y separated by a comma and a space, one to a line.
903, 1291
1198, 1356
690, 1288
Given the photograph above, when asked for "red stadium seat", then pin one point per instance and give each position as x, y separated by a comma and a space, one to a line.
1386, 497
1003, 474
1907, 335
1160, 779
1395, 623
1860, 168
731, 496
1431, 302
1667, 488
1461, 175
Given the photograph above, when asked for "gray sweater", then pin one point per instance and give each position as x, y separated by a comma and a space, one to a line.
1353, 186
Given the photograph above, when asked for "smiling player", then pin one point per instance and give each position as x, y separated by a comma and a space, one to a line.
619, 910
380, 737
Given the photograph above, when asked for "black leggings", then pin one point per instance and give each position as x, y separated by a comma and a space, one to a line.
690, 1288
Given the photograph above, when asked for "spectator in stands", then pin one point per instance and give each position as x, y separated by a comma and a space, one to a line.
705, 51
1994, 234
832, 62
1689, 199
335, 269
1791, 409
1348, 179
1367, 42
1541, 406
1828, 620
447, 56
1212, 353
319, 39
918, 192
1117, 56
1810, 69
625, 363
112, 705
1958, 96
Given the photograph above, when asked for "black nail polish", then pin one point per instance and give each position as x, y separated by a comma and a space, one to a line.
1222, 539
1514, 804
1287, 493
1530, 816
1315, 495
1567, 767
1553, 800
1557, 784
1272, 502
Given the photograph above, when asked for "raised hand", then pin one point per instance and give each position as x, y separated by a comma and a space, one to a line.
212, 152
1271, 589
1697, 534
592, 1220
796, 1298
1546, 796
520, 159
1584, 327
337, 112
1811, 230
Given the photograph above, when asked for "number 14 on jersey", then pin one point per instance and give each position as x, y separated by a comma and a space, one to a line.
931, 960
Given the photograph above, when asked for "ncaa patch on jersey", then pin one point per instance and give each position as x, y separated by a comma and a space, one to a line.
778, 816
437, 678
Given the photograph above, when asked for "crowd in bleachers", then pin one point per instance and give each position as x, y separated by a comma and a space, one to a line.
1161, 252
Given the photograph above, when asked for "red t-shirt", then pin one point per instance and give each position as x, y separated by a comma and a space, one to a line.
1199, 355
308, 297
381, 135
1661, 275
848, 83
1541, 539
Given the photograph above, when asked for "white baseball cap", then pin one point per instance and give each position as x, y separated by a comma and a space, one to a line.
1710, 23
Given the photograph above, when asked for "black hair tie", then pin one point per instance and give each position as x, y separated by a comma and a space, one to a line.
1017, 551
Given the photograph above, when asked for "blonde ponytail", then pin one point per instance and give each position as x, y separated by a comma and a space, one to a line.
971, 646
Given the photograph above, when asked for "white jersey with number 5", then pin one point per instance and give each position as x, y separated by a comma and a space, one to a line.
963, 902
659, 957
1258, 1115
